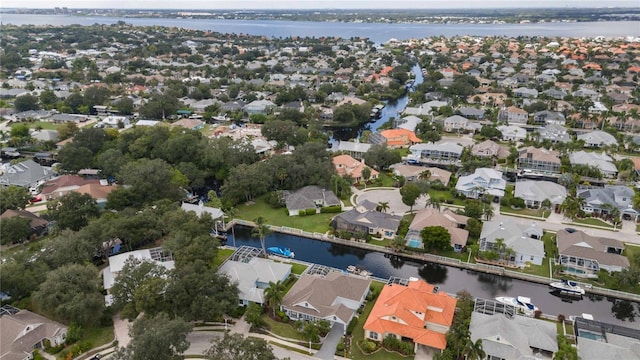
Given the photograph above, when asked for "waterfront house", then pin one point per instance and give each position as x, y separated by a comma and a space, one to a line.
599, 201
597, 139
414, 173
394, 138
512, 132
535, 192
414, 311
455, 224
523, 239
309, 197
598, 340
408, 123
362, 221
446, 152
199, 209
354, 149
584, 255
482, 181
513, 114
347, 166
23, 332
539, 160
117, 262
601, 161
515, 337
259, 107
334, 297
254, 276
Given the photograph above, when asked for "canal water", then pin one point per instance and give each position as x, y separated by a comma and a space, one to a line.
449, 279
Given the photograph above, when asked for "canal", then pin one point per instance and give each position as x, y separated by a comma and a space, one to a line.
449, 279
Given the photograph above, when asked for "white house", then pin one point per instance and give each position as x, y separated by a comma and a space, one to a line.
523, 239
482, 181
512, 132
254, 276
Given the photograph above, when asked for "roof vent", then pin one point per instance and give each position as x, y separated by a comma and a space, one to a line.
435, 289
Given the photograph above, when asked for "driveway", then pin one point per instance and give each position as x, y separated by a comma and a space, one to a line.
328, 349
201, 341
392, 196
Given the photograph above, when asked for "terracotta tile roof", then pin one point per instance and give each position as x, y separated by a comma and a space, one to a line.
346, 165
400, 137
416, 305
96, 191
386, 70
63, 181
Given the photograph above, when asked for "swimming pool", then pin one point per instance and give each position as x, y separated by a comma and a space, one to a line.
415, 243
590, 335
574, 271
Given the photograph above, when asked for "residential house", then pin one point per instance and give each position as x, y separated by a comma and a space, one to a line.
233, 106
412, 310
549, 117
482, 181
354, 149
336, 297
516, 337
259, 107
309, 197
512, 132
446, 152
117, 262
27, 174
455, 123
539, 160
524, 240
408, 123
61, 185
612, 342
454, 223
394, 138
597, 139
599, 201
557, 94
513, 114
254, 276
37, 225
471, 112
535, 192
489, 148
524, 92
602, 161
191, 124
45, 135
199, 209
584, 255
23, 332
346, 165
414, 173
115, 122
554, 133
362, 221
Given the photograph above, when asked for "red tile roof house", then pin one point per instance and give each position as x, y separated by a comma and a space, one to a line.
346, 165
415, 312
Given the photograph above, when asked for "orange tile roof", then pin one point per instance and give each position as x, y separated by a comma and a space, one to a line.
400, 137
386, 70
404, 303
346, 165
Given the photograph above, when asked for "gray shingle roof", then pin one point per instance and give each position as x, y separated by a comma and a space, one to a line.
306, 197
372, 218
26, 173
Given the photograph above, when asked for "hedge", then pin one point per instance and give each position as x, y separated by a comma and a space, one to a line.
352, 325
393, 344
311, 211
331, 209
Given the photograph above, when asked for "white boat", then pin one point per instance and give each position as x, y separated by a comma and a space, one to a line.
520, 303
568, 286
358, 271
584, 316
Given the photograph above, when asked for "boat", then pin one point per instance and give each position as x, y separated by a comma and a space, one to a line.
376, 112
583, 316
568, 286
520, 303
352, 269
281, 251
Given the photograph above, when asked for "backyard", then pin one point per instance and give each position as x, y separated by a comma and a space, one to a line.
221, 256
445, 196
280, 217
550, 251
525, 212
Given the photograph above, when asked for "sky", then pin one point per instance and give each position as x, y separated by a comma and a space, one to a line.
312, 4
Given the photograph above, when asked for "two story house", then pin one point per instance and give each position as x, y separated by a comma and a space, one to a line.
445, 152
482, 181
539, 160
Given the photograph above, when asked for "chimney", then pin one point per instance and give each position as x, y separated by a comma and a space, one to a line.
435, 289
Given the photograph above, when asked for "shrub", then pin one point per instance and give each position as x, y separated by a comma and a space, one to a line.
561, 318
367, 346
340, 346
74, 333
331, 209
518, 202
238, 312
352, 325
393, 344
311, 211
302, 212
505, 201
275, 199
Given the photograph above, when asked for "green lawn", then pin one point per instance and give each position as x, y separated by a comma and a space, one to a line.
632, 252
221, 256
298, 268
358, 333
638, 228
445, 195
282, 329
44, 125
525, 212
99, 336
280, 217
550, 250
593, 221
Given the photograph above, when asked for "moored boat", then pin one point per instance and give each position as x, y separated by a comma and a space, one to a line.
358, 271
281, 251
520, 303
568, 286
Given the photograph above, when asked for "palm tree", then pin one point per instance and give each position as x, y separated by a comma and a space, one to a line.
425, 175
435, 203
474, 350
261, 231
383, 206
499, 245
571, 206
488, 212
274, 294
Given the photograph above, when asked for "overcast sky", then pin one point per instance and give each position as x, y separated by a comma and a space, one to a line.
312, 4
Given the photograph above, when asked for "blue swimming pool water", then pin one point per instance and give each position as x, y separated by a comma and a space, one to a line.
575, 271
415, 243
590, 335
